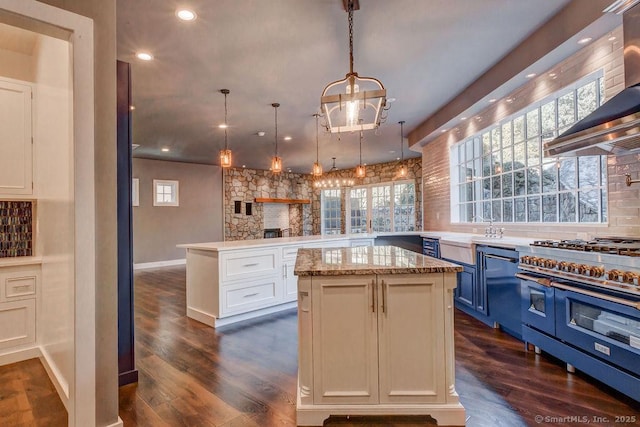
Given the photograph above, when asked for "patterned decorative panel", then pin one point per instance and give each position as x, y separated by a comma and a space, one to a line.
16, 228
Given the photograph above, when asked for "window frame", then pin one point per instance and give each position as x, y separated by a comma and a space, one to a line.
477, 185
369, 211
324, 230
175, 192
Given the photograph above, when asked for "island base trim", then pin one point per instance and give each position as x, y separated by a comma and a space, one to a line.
446, 414
211, 320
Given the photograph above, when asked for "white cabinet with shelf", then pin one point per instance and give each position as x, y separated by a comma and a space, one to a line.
16, 161
18, 291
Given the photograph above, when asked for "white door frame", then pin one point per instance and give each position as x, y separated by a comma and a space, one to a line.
32, 15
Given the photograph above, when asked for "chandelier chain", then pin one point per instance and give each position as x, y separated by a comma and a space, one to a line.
350, 6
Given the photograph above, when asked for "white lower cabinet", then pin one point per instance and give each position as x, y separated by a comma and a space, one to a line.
376, 344
376, 339
18, 290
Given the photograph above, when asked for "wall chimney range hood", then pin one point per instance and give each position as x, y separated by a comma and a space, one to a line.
613, 128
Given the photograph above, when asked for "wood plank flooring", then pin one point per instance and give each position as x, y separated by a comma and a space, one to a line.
245, 374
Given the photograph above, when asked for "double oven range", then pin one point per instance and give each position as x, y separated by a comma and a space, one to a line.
581, 303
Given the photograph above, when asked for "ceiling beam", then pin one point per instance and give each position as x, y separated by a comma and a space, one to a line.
573, 18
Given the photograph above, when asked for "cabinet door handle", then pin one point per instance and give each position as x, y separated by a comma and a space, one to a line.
250, 295
284, 270
373, 296
538, 280
251, 265
384, 296
502, 258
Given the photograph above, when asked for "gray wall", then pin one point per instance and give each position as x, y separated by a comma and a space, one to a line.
158, 229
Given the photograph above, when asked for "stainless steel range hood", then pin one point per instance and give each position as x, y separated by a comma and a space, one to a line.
614, 128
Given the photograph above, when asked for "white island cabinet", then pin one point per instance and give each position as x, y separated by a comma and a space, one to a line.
232, 281
375, 335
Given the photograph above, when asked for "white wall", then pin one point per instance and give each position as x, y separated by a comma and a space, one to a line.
54, 188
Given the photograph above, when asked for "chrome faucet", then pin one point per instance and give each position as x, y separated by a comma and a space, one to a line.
490, 231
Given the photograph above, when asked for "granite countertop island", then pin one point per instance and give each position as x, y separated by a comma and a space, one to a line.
367, 260
375, 334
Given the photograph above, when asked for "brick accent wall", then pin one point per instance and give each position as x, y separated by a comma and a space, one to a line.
624, 201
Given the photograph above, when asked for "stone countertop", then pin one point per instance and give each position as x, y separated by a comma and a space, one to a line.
368, 260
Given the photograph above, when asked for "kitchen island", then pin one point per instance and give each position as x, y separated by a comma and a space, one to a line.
375, 328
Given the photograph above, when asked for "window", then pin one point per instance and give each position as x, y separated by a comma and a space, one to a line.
165, 193
330, 215
502, 174
382, 207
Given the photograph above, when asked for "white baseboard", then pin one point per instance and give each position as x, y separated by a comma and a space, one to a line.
56, 377
201, 316
156, 264
118, 423
211, 320
20, 355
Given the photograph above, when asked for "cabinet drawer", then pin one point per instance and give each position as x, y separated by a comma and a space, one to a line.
17, 323
248, 264
241, 298
20, 286
290, 251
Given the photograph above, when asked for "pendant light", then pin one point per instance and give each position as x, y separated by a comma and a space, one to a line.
225, 155
402, 172
360, 169
276, 162
317, 167
349, 101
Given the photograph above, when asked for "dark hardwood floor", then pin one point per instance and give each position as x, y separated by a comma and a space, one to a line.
245, 374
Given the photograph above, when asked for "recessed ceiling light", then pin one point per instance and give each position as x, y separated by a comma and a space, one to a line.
585, 40
260, 133
244, 166
492, 100
132, 107
223, 126
391, 100
145, 56
165, 149
552, 75
530, 75
186, 14
287, 138
612, 38
463, 118
443, 130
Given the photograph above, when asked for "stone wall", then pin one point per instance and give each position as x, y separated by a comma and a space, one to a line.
245, 185
624, 202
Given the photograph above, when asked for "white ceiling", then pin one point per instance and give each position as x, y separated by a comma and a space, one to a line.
424, 52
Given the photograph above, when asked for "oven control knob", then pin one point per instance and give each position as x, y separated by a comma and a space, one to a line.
572, 267
630, 277
564, 266
596, 271
583, 269
550, 263
525, 259
613, 274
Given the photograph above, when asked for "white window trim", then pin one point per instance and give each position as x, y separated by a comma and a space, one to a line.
135, 192
175, 200
322, 211
392, 184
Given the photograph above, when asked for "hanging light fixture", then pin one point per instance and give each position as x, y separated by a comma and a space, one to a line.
276, 162
402, 172
317, 167
360, 169
225, 155
348, 101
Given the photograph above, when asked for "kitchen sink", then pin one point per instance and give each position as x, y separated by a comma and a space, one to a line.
460, 250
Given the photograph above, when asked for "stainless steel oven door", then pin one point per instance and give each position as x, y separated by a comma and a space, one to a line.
603, 325
537, 302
